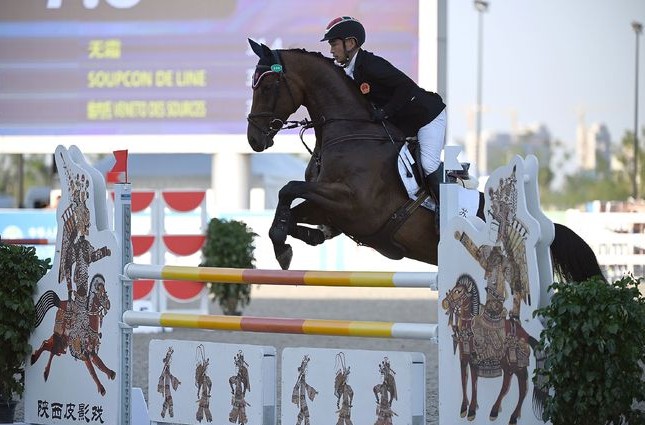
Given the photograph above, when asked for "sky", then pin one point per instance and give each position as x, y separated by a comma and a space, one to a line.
546, 61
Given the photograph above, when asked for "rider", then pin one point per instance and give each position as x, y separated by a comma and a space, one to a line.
393, 94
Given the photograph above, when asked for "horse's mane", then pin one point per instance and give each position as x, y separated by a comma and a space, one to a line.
329, 63
318, 56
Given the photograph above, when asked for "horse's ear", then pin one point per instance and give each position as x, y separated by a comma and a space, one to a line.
257, 49
266, 51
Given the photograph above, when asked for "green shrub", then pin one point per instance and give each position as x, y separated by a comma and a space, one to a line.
20, 271
229, 243
594, 342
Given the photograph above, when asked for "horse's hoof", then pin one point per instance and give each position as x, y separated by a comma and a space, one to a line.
471, 414
101, 390
464, 409
111, 375
493, 414
284, 256
513, 420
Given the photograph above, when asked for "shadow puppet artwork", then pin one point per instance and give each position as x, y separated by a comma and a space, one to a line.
343, 391
85, 325
233, 383
204, 386
166, 384
495, 337
301, 391
352, 387
385, 393
240, 385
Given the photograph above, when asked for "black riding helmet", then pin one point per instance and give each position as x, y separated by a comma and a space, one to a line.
345, 27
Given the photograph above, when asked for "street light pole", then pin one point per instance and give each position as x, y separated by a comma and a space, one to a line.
638, 28
481, 6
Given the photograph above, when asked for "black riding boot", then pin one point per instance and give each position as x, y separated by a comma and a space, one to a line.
432, 182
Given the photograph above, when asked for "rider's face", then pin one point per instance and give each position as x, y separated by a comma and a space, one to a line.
339, 51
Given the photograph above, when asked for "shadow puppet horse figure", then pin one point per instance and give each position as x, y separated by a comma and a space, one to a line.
356, 188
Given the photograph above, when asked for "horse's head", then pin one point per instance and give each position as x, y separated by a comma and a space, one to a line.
274, 99
463, 298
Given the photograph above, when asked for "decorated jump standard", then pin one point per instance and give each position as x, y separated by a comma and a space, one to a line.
483, 343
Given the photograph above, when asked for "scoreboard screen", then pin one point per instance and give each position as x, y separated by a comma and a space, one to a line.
127, 67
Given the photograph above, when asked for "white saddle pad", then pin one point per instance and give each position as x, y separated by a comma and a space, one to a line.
468, 198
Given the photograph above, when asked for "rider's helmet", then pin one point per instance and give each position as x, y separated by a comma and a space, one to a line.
345, 27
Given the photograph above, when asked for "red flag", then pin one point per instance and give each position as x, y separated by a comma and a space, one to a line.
120, 169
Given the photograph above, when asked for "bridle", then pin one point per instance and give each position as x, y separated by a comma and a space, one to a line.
275, 123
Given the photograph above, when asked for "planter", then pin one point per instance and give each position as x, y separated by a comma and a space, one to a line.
7, 411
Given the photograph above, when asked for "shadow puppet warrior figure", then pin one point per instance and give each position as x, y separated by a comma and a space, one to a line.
301, 391
166, 381
395, 96
204, 385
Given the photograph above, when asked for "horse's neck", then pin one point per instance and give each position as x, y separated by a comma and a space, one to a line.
327, 92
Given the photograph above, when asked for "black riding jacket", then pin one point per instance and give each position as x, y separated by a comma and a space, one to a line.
406, 105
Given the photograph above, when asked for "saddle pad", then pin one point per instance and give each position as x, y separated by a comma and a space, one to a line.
468, 198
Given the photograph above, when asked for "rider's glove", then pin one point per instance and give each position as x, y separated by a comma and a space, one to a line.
379, 115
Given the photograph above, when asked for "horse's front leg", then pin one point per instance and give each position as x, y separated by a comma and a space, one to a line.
472, 408
90, 368
102, 367
463, 363
506, 383
279, 231
307, 212
322, 196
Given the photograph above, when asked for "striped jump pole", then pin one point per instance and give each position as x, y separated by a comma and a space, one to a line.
423, 331
283, 277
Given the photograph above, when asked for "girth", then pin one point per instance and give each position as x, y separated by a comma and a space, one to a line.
383, 239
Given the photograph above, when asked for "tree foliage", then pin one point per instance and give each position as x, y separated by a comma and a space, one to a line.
20, 271
593, 343
229, 243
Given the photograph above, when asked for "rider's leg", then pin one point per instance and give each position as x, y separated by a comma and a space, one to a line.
432, 139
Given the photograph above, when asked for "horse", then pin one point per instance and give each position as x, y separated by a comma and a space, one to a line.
77, 327
489, 343
352, 183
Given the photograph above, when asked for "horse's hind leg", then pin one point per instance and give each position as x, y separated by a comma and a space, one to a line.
522, 381
46, 345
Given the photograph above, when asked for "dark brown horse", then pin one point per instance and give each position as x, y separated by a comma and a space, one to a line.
477, 332
352, 182
77, 327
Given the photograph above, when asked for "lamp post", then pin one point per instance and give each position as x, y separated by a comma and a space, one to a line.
638, 29
481, 6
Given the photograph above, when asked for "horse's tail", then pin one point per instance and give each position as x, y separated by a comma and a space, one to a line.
540, 392
46, 301
573, 259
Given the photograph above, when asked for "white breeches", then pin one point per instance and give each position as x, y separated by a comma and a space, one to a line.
432, 139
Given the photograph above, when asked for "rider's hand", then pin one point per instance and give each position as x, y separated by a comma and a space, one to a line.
379, 115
